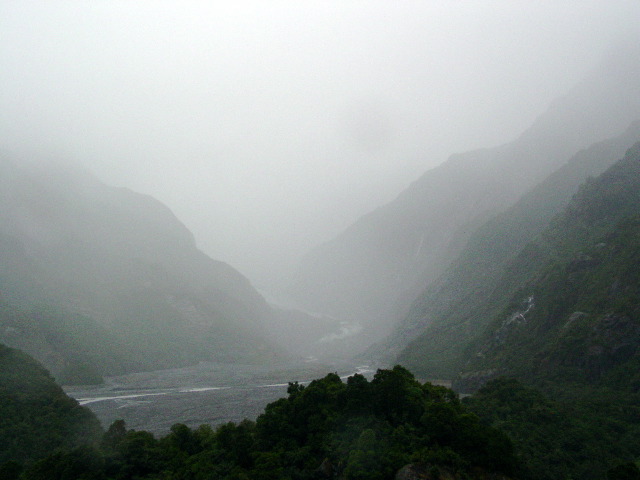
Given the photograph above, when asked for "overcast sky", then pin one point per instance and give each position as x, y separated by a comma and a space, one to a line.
269, 126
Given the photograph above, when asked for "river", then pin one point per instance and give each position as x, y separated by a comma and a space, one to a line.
207, 393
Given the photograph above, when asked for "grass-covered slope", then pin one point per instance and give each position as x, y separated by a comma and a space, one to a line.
36, 417
456, 308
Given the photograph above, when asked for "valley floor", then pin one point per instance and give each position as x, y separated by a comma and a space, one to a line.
208, 393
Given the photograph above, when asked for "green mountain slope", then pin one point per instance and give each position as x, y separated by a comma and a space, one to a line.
383, 261
74, 347
573, 314
453, 310
117, 268
593, 437
36, 417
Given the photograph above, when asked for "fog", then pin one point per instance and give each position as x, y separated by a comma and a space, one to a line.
269, 127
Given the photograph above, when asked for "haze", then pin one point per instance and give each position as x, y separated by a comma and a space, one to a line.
269, 127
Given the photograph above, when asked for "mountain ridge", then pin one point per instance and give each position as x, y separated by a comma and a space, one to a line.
456, 297
386, 258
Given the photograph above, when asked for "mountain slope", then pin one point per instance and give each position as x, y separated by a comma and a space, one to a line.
73, 347
121, 262
573, 315
448, 314
36, 417
388, 256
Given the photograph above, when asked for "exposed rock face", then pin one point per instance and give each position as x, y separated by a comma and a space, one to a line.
326, 469
414, 472
514, 320
574, 317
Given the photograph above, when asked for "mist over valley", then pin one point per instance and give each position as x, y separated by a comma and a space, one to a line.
320, 241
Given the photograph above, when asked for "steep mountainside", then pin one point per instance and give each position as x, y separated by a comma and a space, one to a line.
118, 262
448, 314
74, 347
387, 257
574, 294
36, 417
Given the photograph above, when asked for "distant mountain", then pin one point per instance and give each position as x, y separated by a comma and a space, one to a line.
454, 309
37, 417
377, 266
573, 294
113, 277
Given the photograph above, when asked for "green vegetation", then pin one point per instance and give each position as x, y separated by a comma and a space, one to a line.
497, 262
582, 437
75, 348
36, 417
562, 315
357, 429
554, 302
582, 275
